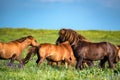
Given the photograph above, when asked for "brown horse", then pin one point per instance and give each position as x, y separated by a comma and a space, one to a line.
73, 37
56, 53
13, 50
103, 51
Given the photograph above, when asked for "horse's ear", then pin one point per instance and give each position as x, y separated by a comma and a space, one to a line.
30, 37
62, 31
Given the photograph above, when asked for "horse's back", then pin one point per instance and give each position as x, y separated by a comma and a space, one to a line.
55, 52
96, 51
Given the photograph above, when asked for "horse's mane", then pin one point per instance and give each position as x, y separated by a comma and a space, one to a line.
71, 35
22, 39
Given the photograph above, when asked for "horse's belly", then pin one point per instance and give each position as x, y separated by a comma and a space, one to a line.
54, 58
95, 56
6, 54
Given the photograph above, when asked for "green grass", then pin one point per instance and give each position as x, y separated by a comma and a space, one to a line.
46, 72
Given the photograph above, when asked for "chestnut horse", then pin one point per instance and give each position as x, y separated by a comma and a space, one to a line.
55, 53
103, 51
13, 49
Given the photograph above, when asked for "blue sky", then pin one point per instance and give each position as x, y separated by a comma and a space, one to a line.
57, 14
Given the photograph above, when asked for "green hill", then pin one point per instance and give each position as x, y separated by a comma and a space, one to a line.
50, 36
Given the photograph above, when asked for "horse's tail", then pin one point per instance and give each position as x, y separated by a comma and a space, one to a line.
31, 51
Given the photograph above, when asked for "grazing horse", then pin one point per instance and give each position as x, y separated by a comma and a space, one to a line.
55, 53
103, 51
13, 49
73, 37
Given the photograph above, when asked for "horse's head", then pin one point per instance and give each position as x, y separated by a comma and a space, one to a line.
32, 41
69, 35
61, 37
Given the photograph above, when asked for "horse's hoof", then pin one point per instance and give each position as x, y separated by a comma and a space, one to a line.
20, 66
10, 65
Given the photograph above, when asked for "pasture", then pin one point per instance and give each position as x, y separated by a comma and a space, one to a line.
46, 72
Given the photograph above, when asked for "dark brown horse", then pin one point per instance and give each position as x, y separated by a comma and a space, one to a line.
55, 53
102, 51
73, 37
13, 49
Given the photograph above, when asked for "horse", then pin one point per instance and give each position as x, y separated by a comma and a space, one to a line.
103, 51
55, 53
73, 37
12, 50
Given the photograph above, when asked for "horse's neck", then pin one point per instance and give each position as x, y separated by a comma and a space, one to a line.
25, 44
80, 44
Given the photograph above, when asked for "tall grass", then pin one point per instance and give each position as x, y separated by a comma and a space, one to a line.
46, 72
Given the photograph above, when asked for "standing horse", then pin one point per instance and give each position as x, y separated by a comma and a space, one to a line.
55, 53
13, 50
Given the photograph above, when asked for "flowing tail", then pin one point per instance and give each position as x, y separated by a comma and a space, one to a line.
31, 51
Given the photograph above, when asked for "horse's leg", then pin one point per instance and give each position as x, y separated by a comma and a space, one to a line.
40, 61
110, 62
68, 61
79, 63
37, 60
12, 61
90, 63
102, 62
59, 63
20, 65
27, 58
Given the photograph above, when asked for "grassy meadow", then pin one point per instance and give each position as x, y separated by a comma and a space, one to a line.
46, 72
